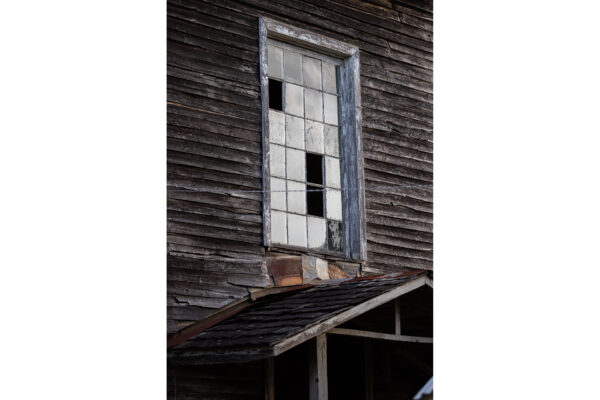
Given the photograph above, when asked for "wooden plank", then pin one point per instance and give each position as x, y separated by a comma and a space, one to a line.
317, 369
381, 336
397, 324
353, 312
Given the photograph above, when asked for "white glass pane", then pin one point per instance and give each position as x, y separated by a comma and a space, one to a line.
296, 197
295, 165
332, 172
314, 137
332, 145
297, 230
329, 79
293, 67
316, 232
294, 103
331, 108
313, 104
277, 160
312, 73
334, 204
278, 227
275, 62
278, 200
276, 127
294, 131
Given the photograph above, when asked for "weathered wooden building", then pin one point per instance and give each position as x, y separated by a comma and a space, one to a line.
299, 198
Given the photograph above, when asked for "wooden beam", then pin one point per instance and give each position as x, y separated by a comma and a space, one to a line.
270, 378
353, 312
317, 369
382, 336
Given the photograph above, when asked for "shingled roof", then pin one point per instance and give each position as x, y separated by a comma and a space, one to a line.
274, 323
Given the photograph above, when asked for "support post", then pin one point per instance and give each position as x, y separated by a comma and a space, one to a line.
397, 316
317, 368
270, 378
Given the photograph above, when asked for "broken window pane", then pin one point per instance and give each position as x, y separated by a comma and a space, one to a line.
296, 230
278, 227
332, 172
296, 197
275, 96
314, 137
294, 100
331, 108
277, 160
275, 62
317, 233
313, 104
334, 204
329, 78
332, 145
335, 236
295, 164
314, 201
276, 127
294, 131
312, 73
293, 67
314, 168
278, 200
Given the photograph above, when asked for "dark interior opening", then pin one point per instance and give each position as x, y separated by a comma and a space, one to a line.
314, 168
314, 201
275, 95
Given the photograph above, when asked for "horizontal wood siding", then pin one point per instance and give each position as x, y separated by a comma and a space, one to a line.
214, 139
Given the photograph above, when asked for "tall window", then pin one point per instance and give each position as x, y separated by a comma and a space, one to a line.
311, 145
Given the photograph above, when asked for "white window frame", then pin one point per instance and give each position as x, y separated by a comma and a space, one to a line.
350, 136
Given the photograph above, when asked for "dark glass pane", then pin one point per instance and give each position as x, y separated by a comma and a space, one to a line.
314, 168
275, 95
314, 201
335, 236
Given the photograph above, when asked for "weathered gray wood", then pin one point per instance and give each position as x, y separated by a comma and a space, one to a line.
381, 336
317, 369
397, 324
339, 319
264, 91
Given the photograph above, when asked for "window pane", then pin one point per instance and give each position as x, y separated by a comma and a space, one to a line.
331, 108
277, 160
295, 165
314, 137
329, 78
334, 204
275, 62
313, 103
335, 236
312, 73
293, 67
278, 200
275, 95
314, 201
317, 233
278, 227
296, 197
332, 146
276, 128
294, 103
314, 168
294, 131
332, 172
297, 230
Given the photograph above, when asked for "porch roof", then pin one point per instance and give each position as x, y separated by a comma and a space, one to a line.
269, 325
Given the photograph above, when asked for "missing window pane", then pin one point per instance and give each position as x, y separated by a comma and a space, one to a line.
314, 168
314, 201
275, 95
